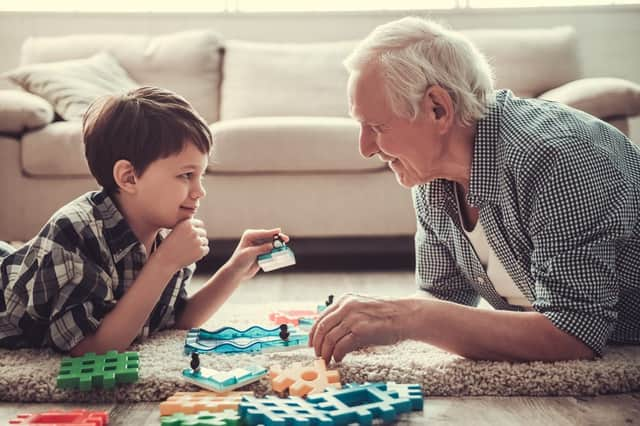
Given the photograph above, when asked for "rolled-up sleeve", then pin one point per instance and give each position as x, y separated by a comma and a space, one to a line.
579, 219
85, 297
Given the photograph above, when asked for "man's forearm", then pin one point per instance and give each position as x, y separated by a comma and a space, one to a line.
121, 326
204, 303
492, 335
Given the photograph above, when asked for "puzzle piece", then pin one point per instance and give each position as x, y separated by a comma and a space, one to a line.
93, 370
293, 317
413, 392
274, 411
224, 381
203, 418
302, 380
63, 418
253, 339
194, 402
278, 257
361, 404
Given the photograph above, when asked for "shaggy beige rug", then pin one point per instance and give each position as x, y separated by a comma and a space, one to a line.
30, 375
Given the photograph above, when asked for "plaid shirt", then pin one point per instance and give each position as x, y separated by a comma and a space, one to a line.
57, 288
558, 194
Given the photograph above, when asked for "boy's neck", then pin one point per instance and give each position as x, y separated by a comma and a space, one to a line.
143, 232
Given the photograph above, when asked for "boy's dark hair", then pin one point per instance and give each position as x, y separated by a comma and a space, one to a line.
141, 126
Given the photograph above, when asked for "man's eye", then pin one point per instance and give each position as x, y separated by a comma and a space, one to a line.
186, 175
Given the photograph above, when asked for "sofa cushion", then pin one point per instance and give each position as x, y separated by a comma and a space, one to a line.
187, 63
280, 79
288, 145
56, 150
20, 111
71, 86
243, 146
529, 61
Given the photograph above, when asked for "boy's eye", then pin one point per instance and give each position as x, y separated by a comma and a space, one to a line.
187, 175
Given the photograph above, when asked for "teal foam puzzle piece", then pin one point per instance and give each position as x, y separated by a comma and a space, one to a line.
277, 258
231, 340
361, 404
223, 381
203, 418
100, 371
274, 411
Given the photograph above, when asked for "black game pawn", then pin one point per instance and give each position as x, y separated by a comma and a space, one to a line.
195, 362
329, 300
284, 332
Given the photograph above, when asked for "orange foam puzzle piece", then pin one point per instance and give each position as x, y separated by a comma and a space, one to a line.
302, 380
194, 402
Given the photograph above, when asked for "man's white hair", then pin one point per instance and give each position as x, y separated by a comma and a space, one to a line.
413, 54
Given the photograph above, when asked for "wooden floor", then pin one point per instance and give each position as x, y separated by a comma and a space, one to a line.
606, 410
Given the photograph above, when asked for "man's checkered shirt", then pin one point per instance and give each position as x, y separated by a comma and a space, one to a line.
558, 193
57, 288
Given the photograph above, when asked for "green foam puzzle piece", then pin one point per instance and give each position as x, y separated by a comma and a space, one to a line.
98, 371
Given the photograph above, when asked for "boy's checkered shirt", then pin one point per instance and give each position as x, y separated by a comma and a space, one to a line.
558, 193
57, 288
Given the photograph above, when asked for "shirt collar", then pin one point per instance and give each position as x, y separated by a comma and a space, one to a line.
484, 177
487, 159
117, 232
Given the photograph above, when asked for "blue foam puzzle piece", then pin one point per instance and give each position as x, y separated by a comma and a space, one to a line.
253, 339
361, 404
413, 391
274, 411
224, 381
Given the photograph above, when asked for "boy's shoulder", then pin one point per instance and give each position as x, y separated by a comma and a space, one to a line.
80, 220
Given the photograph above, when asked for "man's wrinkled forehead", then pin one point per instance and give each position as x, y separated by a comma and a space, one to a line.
367, 101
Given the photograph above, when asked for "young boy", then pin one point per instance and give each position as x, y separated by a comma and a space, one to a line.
100, 273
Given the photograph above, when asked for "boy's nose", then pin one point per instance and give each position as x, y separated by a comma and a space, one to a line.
199, 191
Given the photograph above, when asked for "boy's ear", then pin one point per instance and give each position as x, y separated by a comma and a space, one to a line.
125, 176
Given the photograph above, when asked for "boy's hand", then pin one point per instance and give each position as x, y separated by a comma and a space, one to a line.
187, 243
253, 243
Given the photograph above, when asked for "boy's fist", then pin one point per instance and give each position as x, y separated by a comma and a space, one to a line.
187, 243
253, 243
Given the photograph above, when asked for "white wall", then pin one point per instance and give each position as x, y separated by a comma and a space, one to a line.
609, 37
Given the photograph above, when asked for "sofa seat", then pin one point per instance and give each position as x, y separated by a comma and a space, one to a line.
245, 146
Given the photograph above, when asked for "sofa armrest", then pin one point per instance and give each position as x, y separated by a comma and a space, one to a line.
601, 97
20, 111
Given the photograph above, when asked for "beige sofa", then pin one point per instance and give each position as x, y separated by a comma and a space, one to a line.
286, 152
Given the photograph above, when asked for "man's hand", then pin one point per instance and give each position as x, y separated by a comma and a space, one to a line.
187, 243
253, 243
355, 322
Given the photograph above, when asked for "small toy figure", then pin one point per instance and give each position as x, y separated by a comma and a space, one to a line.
284, 332
195, 362
279, 257
329, 300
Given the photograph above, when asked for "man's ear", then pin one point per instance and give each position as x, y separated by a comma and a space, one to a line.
125, 176
438, 105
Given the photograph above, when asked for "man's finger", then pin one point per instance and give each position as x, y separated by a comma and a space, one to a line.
331, 338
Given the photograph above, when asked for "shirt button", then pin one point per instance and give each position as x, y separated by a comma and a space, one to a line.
480, 280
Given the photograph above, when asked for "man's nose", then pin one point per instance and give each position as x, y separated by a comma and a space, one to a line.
367, 143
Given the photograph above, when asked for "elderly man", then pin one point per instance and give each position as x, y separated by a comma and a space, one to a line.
529, 204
